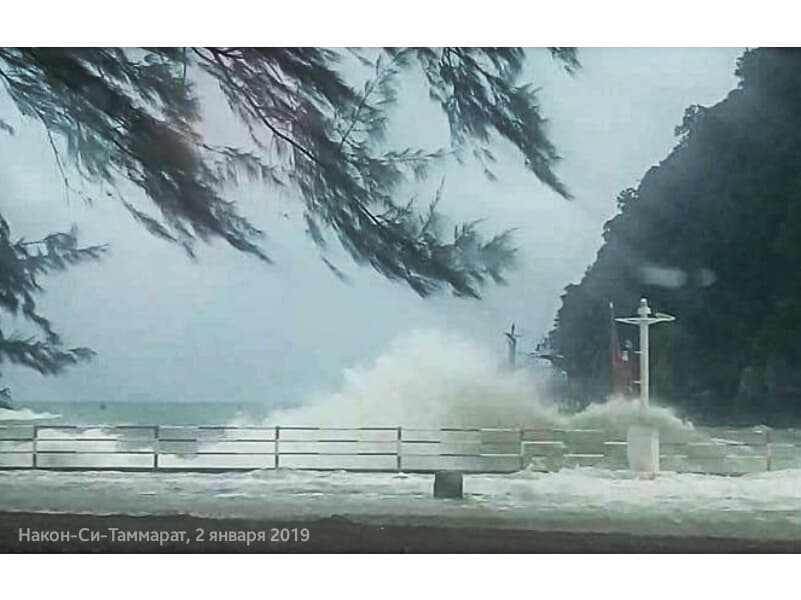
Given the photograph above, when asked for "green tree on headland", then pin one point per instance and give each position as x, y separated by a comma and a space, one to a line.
712, 235
128, 119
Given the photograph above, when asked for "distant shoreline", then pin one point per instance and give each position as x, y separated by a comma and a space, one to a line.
84, 534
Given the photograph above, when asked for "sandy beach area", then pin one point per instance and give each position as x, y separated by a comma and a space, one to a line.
39, 532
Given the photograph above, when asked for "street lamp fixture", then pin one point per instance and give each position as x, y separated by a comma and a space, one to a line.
644, 320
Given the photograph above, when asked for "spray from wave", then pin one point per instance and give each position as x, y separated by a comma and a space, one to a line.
431, 379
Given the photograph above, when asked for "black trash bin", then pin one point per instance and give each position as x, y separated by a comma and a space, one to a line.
448, 484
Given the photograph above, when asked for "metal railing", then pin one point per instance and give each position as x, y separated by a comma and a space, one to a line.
228, 448
386, 449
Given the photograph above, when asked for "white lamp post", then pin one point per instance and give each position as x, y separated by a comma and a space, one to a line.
645, 320
643, 440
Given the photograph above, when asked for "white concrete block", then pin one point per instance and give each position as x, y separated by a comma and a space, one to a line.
642, 449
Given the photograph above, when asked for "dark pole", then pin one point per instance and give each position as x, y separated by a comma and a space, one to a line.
511, 340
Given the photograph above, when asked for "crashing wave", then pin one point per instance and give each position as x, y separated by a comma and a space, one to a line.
432, 379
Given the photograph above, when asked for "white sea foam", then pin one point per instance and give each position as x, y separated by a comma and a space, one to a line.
25, 414
764, 505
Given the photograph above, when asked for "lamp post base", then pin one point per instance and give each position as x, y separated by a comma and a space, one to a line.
642, 449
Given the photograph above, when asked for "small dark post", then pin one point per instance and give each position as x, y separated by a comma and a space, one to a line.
448, 484
399, 448
35, 435
277, 437
768, 450
511, 340
156, 448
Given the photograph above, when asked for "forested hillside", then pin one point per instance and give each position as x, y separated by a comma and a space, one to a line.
712, 235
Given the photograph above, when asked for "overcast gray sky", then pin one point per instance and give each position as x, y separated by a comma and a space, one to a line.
228, 328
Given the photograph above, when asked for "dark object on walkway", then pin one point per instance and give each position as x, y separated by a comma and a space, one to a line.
448, 484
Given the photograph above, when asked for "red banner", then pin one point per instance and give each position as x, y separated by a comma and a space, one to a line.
621, 370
